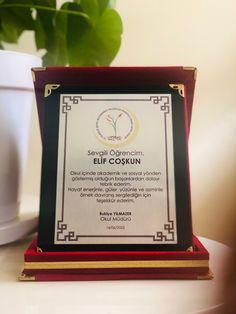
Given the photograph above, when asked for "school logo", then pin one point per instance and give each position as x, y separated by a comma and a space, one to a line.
116, 127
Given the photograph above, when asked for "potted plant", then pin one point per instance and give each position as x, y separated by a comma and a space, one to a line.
79, 33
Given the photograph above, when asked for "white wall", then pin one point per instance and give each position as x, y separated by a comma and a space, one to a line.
199, 33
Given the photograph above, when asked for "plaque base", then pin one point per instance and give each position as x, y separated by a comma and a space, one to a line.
71, 266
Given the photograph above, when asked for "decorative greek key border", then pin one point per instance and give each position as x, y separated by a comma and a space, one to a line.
63, 233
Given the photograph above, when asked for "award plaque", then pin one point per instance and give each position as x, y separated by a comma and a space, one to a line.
115, 174
115, 195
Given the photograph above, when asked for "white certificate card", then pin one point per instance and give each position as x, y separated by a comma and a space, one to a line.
115, 170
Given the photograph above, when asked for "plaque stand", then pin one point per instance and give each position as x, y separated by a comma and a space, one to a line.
71, 266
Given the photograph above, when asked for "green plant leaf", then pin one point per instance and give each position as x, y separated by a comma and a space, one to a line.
22, 16
83, 32
76, 28
10, 29
61, 55
15, 20
91, 8
99, 6
44, 28
103, 4
94, 45
58, 53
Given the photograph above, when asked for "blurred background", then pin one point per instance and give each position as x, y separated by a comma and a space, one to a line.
190, 33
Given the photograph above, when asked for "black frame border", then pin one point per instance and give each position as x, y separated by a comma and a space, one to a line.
49, 172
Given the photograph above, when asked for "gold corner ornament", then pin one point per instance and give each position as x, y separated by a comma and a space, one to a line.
39, 250
49, 88
37, 70
191, 69
179, 87
24, 277
190, 249
208, 276
33, 75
